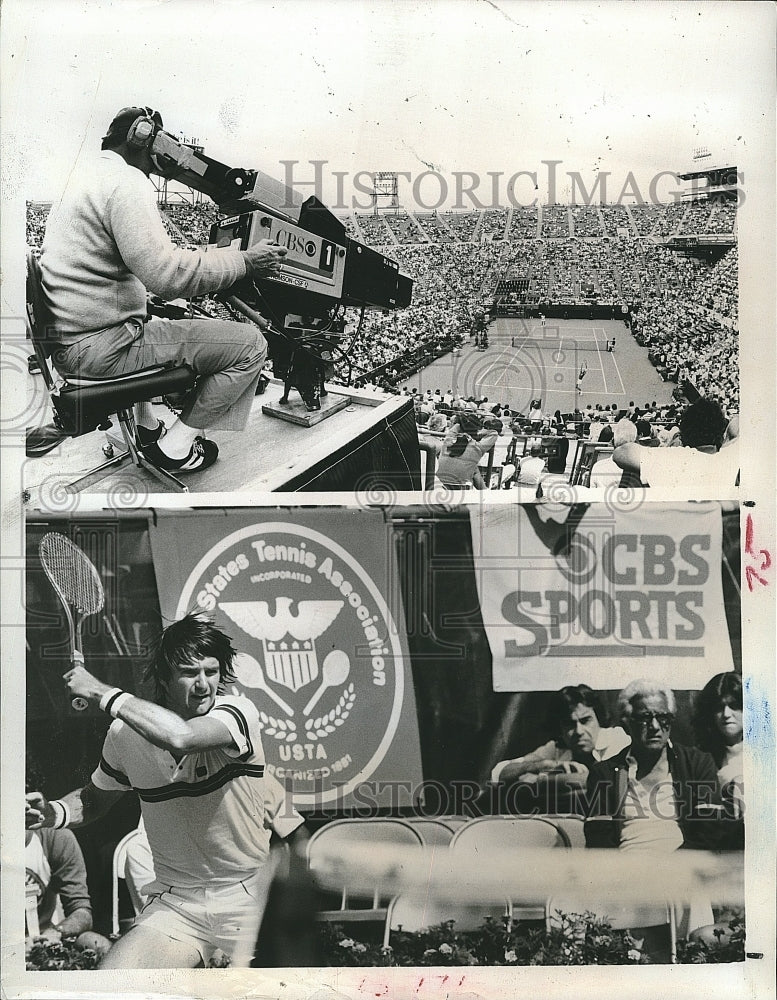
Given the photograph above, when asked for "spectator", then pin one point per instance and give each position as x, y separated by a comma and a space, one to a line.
438, 422
707, 462
605, 472
719, 731
465, 444
607, 434
56, 874
532, 468
645, 434
656, 795
576, 721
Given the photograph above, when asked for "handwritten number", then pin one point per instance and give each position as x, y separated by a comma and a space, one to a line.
753, 573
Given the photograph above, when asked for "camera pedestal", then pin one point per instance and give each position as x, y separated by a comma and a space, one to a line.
295, 411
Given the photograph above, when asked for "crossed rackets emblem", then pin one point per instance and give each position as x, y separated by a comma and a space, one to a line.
288, 642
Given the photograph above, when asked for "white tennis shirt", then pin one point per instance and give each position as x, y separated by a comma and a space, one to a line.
208, 817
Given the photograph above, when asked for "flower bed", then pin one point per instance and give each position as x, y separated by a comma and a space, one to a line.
45, 955
576, 939
57, 956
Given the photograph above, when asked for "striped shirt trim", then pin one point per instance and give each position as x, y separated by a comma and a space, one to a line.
242, 723
194, 789
119, 776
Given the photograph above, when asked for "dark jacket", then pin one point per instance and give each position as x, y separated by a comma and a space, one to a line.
695, 780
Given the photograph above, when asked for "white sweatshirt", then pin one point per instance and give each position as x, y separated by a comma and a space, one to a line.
106, 245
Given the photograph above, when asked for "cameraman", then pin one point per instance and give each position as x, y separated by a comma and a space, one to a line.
467, 441
105, 247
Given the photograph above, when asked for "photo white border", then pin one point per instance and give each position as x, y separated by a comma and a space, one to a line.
757, 324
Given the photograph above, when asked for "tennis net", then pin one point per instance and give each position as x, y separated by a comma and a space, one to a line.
565, 344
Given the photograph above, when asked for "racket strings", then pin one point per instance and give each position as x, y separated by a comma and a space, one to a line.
72, 573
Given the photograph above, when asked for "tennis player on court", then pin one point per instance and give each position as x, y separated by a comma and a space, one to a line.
581, 375
194, 757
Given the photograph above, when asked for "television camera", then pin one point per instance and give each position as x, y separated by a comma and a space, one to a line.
301, 307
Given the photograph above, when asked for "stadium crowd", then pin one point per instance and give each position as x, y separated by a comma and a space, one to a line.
683, 310
538, 448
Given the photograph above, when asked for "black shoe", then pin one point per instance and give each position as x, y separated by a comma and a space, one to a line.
202, 455
149, 435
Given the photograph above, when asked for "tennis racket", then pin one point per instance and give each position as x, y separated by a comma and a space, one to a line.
78, 587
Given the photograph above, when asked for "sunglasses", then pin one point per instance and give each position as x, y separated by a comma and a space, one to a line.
664, 719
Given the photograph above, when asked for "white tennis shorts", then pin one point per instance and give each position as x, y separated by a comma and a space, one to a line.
211, 917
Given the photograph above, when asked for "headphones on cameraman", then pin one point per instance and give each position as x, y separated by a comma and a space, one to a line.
143, 130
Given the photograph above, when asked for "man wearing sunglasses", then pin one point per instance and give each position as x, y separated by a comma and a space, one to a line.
656, 795
105, 248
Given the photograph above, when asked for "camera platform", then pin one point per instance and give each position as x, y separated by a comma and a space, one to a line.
369, 439
296, 412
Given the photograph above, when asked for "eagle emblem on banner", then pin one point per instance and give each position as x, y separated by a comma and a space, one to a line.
288, 640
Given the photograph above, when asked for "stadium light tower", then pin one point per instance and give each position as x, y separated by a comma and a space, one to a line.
710, 176
385, 186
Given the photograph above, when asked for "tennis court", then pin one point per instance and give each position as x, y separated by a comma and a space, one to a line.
526, 361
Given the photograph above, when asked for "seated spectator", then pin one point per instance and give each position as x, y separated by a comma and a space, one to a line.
576, 720
437, 422
605, 472
656, 795
669, 436
718, 726
535, 412
596, 428
557, 461
707, 461
465, 444
56, 873
531, 469
645, 434
658, 773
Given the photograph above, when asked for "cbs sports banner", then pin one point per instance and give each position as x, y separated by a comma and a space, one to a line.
592, 594
309, 602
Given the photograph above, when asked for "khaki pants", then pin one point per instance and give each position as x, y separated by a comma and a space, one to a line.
227, 356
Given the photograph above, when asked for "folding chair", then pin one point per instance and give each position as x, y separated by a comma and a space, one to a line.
434, 832
410, 912
31, 924
570, 824
508, 832
339, 837
495, 835
118, 872
82, 405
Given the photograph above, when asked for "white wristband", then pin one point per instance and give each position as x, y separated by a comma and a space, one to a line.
107, 697
115, 704
62, 814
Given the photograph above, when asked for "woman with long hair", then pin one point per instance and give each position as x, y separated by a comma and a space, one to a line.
719, 731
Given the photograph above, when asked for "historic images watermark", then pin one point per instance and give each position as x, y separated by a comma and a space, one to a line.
495, 189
